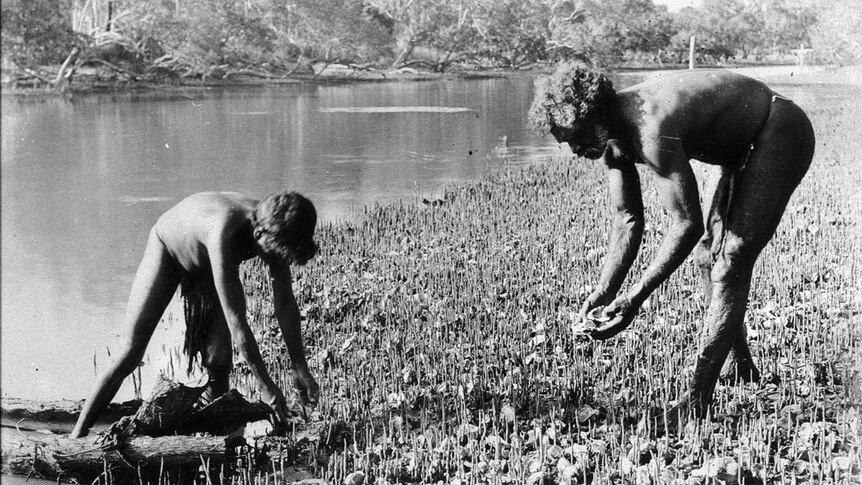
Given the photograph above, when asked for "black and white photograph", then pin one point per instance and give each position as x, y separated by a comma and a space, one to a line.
445, 242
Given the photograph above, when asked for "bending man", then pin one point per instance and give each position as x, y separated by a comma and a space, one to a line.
760, 146
199, 245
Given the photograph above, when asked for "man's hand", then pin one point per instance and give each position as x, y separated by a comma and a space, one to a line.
307, 387
595, 300
617, 317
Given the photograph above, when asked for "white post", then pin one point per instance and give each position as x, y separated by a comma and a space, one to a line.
691, 53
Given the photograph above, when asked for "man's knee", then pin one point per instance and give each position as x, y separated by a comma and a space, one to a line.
703, 253
736, 259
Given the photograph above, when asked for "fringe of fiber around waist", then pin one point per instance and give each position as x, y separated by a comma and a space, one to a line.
197, 308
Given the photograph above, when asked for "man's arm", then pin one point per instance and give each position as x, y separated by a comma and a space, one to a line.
677, 188
678, 193
626, 233
289, 319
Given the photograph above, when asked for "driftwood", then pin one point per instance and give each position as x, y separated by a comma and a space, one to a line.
57, 416
86, 459
132, 75
123, 451
248, 72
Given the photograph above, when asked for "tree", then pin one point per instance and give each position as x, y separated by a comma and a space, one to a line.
38, 32
722, 29
835, 35
787, 23
331, 30
512, 33
415, 22
601, 33
451, 36
200, 34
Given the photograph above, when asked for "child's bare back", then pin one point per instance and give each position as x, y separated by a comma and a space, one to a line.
189, 229
199, 244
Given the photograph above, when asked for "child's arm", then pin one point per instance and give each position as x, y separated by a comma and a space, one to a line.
232, 297
287, 313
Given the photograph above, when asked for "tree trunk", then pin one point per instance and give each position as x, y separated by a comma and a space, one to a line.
403, 55
64, 76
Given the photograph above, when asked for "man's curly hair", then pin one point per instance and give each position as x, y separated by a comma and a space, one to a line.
570, 94
283, 224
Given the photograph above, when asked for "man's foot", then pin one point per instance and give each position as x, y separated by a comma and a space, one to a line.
671, 420
739, 370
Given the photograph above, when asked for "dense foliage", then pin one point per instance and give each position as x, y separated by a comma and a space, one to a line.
206, 37
33, 33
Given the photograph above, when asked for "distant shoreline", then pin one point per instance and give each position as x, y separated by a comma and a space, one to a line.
337, 74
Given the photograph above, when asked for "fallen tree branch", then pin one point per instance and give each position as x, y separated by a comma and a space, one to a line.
123, 452
57, 416
132, 76
35, 74
85, 459
64, 75
248, 72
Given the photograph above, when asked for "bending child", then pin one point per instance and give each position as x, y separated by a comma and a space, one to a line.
199, 244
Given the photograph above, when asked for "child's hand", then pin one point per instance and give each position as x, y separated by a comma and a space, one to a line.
274, 398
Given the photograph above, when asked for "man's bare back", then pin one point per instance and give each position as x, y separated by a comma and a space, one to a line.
710, 116
760, 144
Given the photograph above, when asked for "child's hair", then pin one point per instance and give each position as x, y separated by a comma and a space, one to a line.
283, 224
570, 94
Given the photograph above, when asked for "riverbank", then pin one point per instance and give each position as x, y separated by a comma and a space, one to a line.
88, 82
339, 73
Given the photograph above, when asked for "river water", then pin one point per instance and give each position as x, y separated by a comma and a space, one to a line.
83, 180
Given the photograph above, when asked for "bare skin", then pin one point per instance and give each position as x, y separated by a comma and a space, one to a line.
713, 117
207, 236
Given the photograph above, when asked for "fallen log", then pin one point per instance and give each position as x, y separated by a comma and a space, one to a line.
122, 453
247, 72
84, 460
57, 416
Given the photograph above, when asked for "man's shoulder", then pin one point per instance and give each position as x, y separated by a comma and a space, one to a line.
693, 82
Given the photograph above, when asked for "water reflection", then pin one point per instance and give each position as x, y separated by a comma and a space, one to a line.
84, 180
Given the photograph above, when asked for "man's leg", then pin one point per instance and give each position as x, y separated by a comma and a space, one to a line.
781, 158
715, 192
155, 283
739, 364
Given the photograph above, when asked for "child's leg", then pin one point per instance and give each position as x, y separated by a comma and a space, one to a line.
155, 283
217, 356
